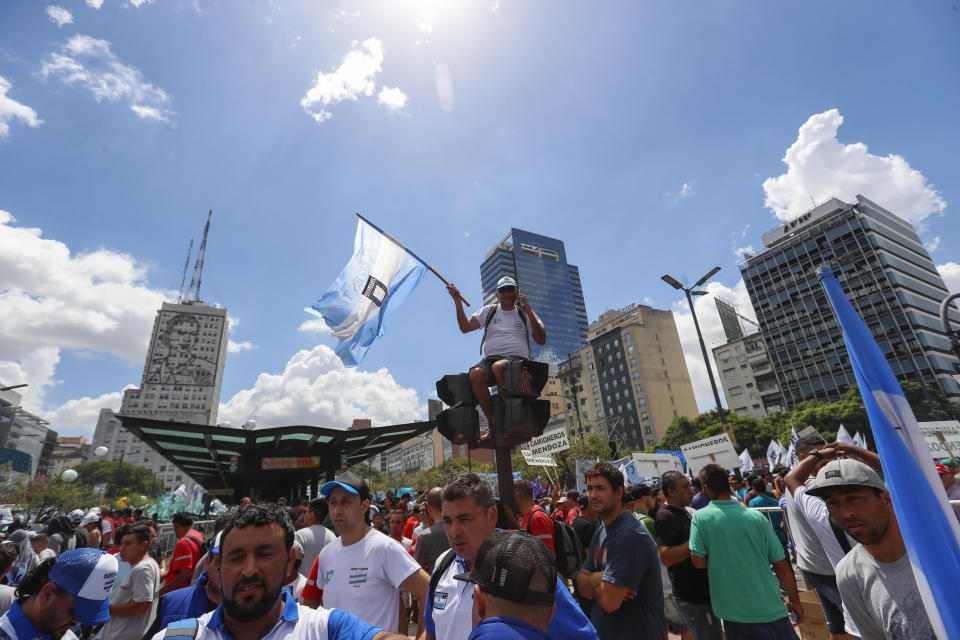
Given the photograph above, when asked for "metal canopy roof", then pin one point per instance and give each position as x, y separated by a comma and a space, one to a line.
274, 462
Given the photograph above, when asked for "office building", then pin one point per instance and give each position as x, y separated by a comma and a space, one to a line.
747, 377
181, 383
630, 381
68, 453
25, 439
889, 278
539, 265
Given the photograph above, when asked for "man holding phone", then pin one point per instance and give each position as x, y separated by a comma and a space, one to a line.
507, 328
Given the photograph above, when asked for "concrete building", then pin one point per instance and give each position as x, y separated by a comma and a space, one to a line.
553, 391
181, 383
69, 452
539, 265
747, 377
417, 454
24, 434
890, 280
631, 378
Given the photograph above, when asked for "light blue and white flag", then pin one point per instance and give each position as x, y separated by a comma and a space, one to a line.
378, 278
844, 436
930, 529
773, 454
792, 458
746, 462
858, 440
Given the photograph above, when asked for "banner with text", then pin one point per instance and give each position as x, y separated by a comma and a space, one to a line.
537, 461
550, 442
942, 438
713, 450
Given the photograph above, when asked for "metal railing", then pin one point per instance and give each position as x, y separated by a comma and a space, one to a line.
168, 539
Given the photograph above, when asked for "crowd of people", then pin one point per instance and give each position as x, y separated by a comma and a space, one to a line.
456, 562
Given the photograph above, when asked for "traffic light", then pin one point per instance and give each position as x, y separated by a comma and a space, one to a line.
525, 378
520, 416
460, 424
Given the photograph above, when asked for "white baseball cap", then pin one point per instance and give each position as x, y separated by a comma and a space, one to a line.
506, 281
89, 575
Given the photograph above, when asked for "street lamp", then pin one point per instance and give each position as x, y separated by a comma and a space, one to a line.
673, 282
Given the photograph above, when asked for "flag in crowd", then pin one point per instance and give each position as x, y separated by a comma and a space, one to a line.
844, 436
381, 274
858, 440
930, 531
746, 462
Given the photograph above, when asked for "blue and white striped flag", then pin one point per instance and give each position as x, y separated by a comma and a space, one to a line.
380, 276
930, 529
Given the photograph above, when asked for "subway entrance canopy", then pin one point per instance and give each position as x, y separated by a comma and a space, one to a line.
266, 463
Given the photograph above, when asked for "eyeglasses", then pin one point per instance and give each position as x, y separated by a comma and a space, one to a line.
506, 289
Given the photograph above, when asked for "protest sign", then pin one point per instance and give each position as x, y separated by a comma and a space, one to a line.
550, 442
654, 465
713, 450
942, 438
537, 461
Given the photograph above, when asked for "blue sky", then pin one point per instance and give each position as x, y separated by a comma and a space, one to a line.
650, 137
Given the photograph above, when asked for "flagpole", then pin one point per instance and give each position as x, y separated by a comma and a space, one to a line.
418, 258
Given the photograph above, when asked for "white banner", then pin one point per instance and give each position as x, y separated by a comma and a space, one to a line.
654, 465
537, 461
550, 442
713, 450
949, 430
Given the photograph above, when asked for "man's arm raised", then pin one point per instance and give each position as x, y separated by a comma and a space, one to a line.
466, 324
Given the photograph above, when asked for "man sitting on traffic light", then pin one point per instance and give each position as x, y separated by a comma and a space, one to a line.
507, 328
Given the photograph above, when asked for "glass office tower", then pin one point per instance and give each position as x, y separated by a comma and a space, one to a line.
539, 265
889, 278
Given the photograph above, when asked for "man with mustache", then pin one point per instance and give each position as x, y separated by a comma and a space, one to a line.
875, 579
256, 555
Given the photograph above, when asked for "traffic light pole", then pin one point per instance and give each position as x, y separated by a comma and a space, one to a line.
505, 477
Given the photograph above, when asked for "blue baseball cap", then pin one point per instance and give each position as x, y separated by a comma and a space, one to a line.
87, 574
215, 543
349, 481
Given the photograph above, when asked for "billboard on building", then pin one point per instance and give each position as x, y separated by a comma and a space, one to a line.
729, 320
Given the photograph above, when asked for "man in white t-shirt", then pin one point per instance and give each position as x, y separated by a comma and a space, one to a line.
362, 571
314, 536
135, 604
397, 521
506, 336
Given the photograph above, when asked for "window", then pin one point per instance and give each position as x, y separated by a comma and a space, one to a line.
596, 402
641, 402
633, 362
616, 342
583, 402
736, 391
593, 377
616, 395
629, 406
591, 366
627, 336
596, 390
636, 375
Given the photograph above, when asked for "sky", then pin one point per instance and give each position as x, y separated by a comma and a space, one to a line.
651, 137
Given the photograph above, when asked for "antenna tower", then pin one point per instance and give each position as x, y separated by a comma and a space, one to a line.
183, 280
198, 265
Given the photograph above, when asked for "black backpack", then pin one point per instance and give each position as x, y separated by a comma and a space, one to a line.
566, 546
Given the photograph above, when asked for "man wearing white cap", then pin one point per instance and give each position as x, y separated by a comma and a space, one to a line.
507, 327
58, 594
90, 522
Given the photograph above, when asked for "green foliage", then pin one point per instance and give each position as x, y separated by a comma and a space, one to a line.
119, 478
46, 495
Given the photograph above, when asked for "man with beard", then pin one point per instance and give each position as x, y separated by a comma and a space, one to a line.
876, 579
256, 555
58, 594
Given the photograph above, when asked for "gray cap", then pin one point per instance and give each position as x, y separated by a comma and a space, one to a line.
845, 473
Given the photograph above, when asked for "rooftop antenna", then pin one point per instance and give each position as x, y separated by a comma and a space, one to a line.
198, 265
183, 280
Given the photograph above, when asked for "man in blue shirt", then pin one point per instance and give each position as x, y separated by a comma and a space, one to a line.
57, 594
622, 571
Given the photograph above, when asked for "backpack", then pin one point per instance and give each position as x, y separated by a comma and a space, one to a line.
490, 316
448, 557
566, 546
202, 547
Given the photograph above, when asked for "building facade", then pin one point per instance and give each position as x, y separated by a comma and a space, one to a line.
552, 285
889, 278
26, 441
68, 453
630, 380
747, 377
181, 382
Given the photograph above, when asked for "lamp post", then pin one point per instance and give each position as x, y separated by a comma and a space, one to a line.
690, 291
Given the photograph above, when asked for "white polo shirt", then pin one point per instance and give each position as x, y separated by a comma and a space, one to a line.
449, 617
295, 623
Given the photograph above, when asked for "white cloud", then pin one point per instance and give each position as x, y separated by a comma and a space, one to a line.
820, 166
315, 388
686, 190
950, 272
237, 347
58, 15
79, 416
96, 4
713, 335
314, 325
11, 109
740, 251
932, 245
427, 23
355, 77
52, 299
89, 63
392, 98
139, 3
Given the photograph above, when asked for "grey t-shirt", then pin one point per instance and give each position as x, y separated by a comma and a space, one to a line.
810, 554
430, 544
312, 539
882, 597
140, 585
6, 597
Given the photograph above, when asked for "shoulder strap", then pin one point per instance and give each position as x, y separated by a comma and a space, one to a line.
841, 537
445, 563
182, 629
486, 324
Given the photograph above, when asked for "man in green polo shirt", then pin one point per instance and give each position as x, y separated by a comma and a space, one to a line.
737, 546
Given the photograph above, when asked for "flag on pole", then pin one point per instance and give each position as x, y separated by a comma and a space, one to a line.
844, 436
773, 454
381, 274
746, 462
858, 440
930, 530
792, 459
784, 458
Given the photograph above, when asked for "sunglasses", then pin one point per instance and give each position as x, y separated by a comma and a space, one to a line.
506, 289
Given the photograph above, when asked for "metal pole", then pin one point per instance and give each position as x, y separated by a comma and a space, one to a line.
505, 477
706, 361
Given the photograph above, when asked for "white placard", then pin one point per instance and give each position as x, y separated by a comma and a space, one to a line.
537, 461
550, 442
951, 436
713, 450
654, 465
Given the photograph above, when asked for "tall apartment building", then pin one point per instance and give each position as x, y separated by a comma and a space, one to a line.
69, 452
25, 439
747, 377
539, 265
631, 376
891, 282
181, 383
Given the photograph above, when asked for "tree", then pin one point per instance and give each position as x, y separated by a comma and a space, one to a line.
119, 478
46, 495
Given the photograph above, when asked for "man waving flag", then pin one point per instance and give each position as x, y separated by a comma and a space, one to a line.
930, 530
380, 276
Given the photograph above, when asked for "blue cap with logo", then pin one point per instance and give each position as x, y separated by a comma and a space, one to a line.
87, 574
